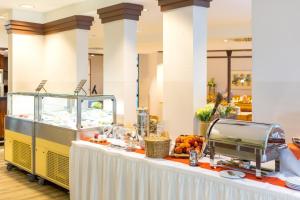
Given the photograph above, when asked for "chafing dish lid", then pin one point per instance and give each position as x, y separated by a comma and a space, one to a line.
244, 133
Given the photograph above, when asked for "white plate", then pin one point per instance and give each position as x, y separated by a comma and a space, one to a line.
232, 174
293, 181
292, 187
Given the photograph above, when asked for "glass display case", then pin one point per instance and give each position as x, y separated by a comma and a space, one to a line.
77, 112
61, 120
41, 127
19, 130
21, 105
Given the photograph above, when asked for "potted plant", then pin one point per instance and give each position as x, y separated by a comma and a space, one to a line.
211, 87
227, 112
204, 116
207, 114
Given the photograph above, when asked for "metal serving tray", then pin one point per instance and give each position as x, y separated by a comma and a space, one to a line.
251, 141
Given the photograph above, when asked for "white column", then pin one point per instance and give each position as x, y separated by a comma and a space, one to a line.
120, 67
120, 57
185, 67
276, 63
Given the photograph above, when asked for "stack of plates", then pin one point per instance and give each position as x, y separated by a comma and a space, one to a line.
293, 183
296, 141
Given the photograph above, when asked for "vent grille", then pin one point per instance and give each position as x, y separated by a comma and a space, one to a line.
58, 167
22, 154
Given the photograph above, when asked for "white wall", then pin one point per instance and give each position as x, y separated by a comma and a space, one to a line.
25, 62
276, 83
60, 58
66, 60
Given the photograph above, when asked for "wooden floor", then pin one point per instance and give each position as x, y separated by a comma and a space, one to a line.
15, 186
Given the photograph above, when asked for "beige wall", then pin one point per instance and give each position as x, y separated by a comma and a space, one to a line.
151, 71
150, 83
217, 69
3, 35
96, 72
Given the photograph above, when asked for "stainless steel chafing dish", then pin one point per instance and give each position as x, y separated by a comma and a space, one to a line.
246, 141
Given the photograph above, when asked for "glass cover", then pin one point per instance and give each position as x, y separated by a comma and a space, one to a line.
21, 106
59, 111
95, 113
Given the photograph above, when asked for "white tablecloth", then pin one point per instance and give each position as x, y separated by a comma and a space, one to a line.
101, 173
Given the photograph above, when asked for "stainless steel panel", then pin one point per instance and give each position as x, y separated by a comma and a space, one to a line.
56, 134
23, 126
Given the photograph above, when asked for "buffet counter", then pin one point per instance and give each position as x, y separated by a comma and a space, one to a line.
104, 173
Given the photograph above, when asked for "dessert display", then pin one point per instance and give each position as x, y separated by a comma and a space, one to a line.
98, 139
185, 143
90, 117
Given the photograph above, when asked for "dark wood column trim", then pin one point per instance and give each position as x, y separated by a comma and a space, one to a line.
69, 23
120, 11
21, 27
173, 4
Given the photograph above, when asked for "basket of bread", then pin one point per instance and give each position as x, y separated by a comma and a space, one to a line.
185, 143
157, 146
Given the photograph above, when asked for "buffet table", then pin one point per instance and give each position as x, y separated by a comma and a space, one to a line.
100, 172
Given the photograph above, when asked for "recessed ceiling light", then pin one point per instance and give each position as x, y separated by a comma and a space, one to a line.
145, 10
225, 40
2, 17
92, 55
27, 6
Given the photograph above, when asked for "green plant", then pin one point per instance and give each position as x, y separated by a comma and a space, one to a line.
211, 83
225, 111
204, 114
96, 105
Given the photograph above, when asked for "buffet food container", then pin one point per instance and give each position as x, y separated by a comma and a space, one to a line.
246, 141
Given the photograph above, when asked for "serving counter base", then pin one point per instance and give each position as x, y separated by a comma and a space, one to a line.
102, 173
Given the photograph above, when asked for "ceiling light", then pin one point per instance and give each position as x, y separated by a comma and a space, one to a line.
225, 40
27, 6
92, 55
2, 17
145, 10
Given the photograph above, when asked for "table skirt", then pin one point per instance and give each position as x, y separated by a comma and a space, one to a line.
101, 173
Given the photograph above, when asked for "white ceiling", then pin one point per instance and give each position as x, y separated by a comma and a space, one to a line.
39, 5
226, 19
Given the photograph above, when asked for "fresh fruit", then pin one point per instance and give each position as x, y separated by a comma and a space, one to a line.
186, 143
178, 150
